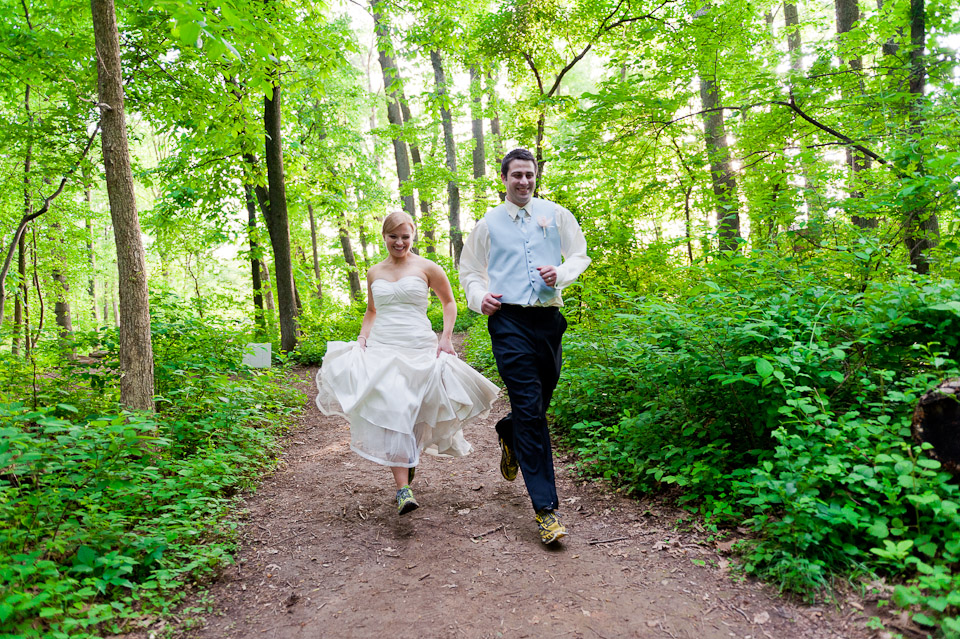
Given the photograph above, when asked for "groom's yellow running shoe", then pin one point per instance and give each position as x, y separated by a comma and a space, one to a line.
508, 462
550, 527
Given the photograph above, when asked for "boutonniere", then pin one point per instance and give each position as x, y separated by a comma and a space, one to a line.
542, 221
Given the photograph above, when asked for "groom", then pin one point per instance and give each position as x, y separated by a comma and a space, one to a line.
511, 269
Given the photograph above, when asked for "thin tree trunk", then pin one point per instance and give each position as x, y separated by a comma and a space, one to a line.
41, 309
721, 175
364, 245
258, 312
356, 292
61, 307
450, 147
91, 255
922, 226
20, 307
495, 130
791, 20
316, 255
267, 289
848, 14
391, 87
426, 221
479, 156
136, 352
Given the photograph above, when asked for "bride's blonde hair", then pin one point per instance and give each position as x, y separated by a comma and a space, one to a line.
396, 219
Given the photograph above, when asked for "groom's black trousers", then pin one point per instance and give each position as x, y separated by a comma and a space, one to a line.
526, 343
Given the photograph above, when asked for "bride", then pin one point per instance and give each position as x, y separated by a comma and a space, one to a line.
403, 390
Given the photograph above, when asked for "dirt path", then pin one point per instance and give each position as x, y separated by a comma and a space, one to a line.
324, 554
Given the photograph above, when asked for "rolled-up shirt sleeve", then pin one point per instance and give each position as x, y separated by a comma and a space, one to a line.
473, 265
573, 248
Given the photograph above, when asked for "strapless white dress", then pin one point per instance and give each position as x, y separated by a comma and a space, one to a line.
400, 397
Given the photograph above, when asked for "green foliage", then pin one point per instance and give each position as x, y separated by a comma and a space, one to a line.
477, 350
108, 515
774, 396
334, 324
465, 317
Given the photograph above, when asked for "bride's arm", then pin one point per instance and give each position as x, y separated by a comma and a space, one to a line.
368, 317
438, 281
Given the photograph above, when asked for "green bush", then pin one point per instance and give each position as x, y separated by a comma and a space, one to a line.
781, 399
108, 514
465, 317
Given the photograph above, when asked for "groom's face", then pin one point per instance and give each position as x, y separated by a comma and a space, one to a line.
520, 181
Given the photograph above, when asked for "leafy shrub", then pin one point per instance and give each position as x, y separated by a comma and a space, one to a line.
781, 399
465, 317
477, 351
336, 324
109, 513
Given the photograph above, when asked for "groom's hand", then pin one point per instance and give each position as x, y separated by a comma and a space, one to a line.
549, 275
490, 303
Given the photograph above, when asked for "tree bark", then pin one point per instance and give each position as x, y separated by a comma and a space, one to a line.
61, 307
791, 20
258, 311
20, 306
391, 87
356, 292
426, 221
278, 223
922, 226
450, 147
479, 156
91, 255
136, 352
848, 14
316, 255
721, 175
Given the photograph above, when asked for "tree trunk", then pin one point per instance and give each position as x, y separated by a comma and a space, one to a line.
479, 150
426, 222
848, 14
791, 21
61, 307
258, 312
721, 175
267, 290
356, 292
936, 421
316, 256
363, 246
91, 255
922, 227
391, 87
136, 351
495, 131
32, 341
278, 223
453, 189
20, 307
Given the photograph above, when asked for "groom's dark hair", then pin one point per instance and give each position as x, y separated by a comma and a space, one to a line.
517, 154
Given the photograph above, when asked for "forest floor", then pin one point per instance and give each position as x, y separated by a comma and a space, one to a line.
323, 553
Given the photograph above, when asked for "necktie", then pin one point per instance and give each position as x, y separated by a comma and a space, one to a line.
522, 216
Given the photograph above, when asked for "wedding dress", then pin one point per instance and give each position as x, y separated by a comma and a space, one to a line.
400, 397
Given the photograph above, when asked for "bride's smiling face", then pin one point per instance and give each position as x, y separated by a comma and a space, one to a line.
399, 240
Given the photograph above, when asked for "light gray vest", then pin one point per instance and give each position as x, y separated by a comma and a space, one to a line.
517, 250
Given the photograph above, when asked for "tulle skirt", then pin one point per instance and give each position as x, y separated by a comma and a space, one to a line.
401, 401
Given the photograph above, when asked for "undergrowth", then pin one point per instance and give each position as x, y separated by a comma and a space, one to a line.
109, 515
772, 397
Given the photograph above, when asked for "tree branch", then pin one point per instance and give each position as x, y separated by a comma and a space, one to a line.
533, 67
792, 104
27, 218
